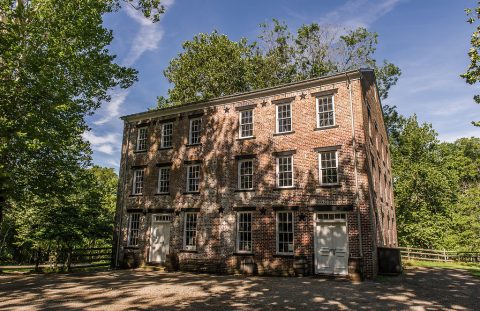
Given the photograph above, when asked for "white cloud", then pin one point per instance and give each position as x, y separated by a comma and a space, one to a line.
107, 144
359, 13
113, 106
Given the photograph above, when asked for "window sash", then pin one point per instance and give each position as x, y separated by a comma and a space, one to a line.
244, 232
325, 111
285, 233
284, 118
195, 130
138, 176
142, 139
245, 174
328, 163
246, 123
285, 171
133, 229
163, 180
190, 231
167, 133
193, 178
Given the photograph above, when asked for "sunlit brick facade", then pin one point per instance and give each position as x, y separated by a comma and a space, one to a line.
294, 179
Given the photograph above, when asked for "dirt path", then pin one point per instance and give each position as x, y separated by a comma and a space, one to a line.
418, 289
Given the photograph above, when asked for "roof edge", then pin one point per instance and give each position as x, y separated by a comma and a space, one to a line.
222, 99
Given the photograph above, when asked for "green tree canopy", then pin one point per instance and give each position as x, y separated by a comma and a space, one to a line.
212, 65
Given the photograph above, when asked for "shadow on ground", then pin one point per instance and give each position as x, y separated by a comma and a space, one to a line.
420, 288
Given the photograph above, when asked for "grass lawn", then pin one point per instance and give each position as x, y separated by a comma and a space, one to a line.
473, 268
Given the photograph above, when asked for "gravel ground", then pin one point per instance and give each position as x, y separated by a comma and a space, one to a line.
418, 289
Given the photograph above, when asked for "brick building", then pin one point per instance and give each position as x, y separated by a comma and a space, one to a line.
292, 179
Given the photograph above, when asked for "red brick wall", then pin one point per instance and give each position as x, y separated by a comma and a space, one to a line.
218, 201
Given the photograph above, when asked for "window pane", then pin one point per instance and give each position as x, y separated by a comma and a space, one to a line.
142, 139
284, 118
167, 132
193, 178
244, 232
195, 129
285, 232
325, 110
329, 167
245, 172
133, 229
190, 231
138, 181
163, 180
246, 123
285, 171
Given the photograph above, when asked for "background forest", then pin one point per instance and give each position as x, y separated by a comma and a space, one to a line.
56, 70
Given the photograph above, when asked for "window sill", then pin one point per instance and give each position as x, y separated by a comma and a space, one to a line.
329, 186
165, 148
163, 193
326, 127
245, 138
192, 192
188, 251
284, 188
193, 145
244, 190
284, 256
140, 151
243, 254
283, 133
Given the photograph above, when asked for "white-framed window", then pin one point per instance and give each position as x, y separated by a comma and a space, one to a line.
369, 121
163, 180
325, 111
328, 167
245, 118
195, 131
333, 217
245, 174
166, 135
142, 139
285, 233
193, 177
285, 171
284, 118
138, 176
190, 232
385, 185
244, 232
133, 229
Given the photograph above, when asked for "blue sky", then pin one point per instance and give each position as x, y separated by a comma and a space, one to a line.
427, 39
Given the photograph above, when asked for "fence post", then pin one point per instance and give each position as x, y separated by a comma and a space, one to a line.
408, 253
444, 256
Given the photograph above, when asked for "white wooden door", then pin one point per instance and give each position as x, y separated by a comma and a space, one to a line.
331, 247
159, 238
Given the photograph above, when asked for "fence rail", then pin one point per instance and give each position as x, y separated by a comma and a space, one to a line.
411, 253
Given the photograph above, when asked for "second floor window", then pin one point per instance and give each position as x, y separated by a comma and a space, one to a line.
285, 172
325, 110
193, 177
138, 181
190, 232
133, 229
246, 123
245, 174
163, 180
329, 167
244, 232
166, 138
195, 130
284, 118
142, 139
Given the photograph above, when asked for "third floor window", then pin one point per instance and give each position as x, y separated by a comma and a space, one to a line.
195, 130
284, 118
166, 135
142, 139
325, 111
245, 174
246, 123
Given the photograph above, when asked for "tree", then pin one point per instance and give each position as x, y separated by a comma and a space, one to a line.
212, 65
55, 69
472, 75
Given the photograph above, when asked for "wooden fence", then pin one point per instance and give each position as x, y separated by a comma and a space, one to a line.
410, 253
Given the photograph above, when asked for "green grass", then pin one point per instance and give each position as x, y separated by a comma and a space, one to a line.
473, 268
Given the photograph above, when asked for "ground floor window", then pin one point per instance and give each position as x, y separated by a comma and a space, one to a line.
190, 231
244, 232
133, 229
285, 232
